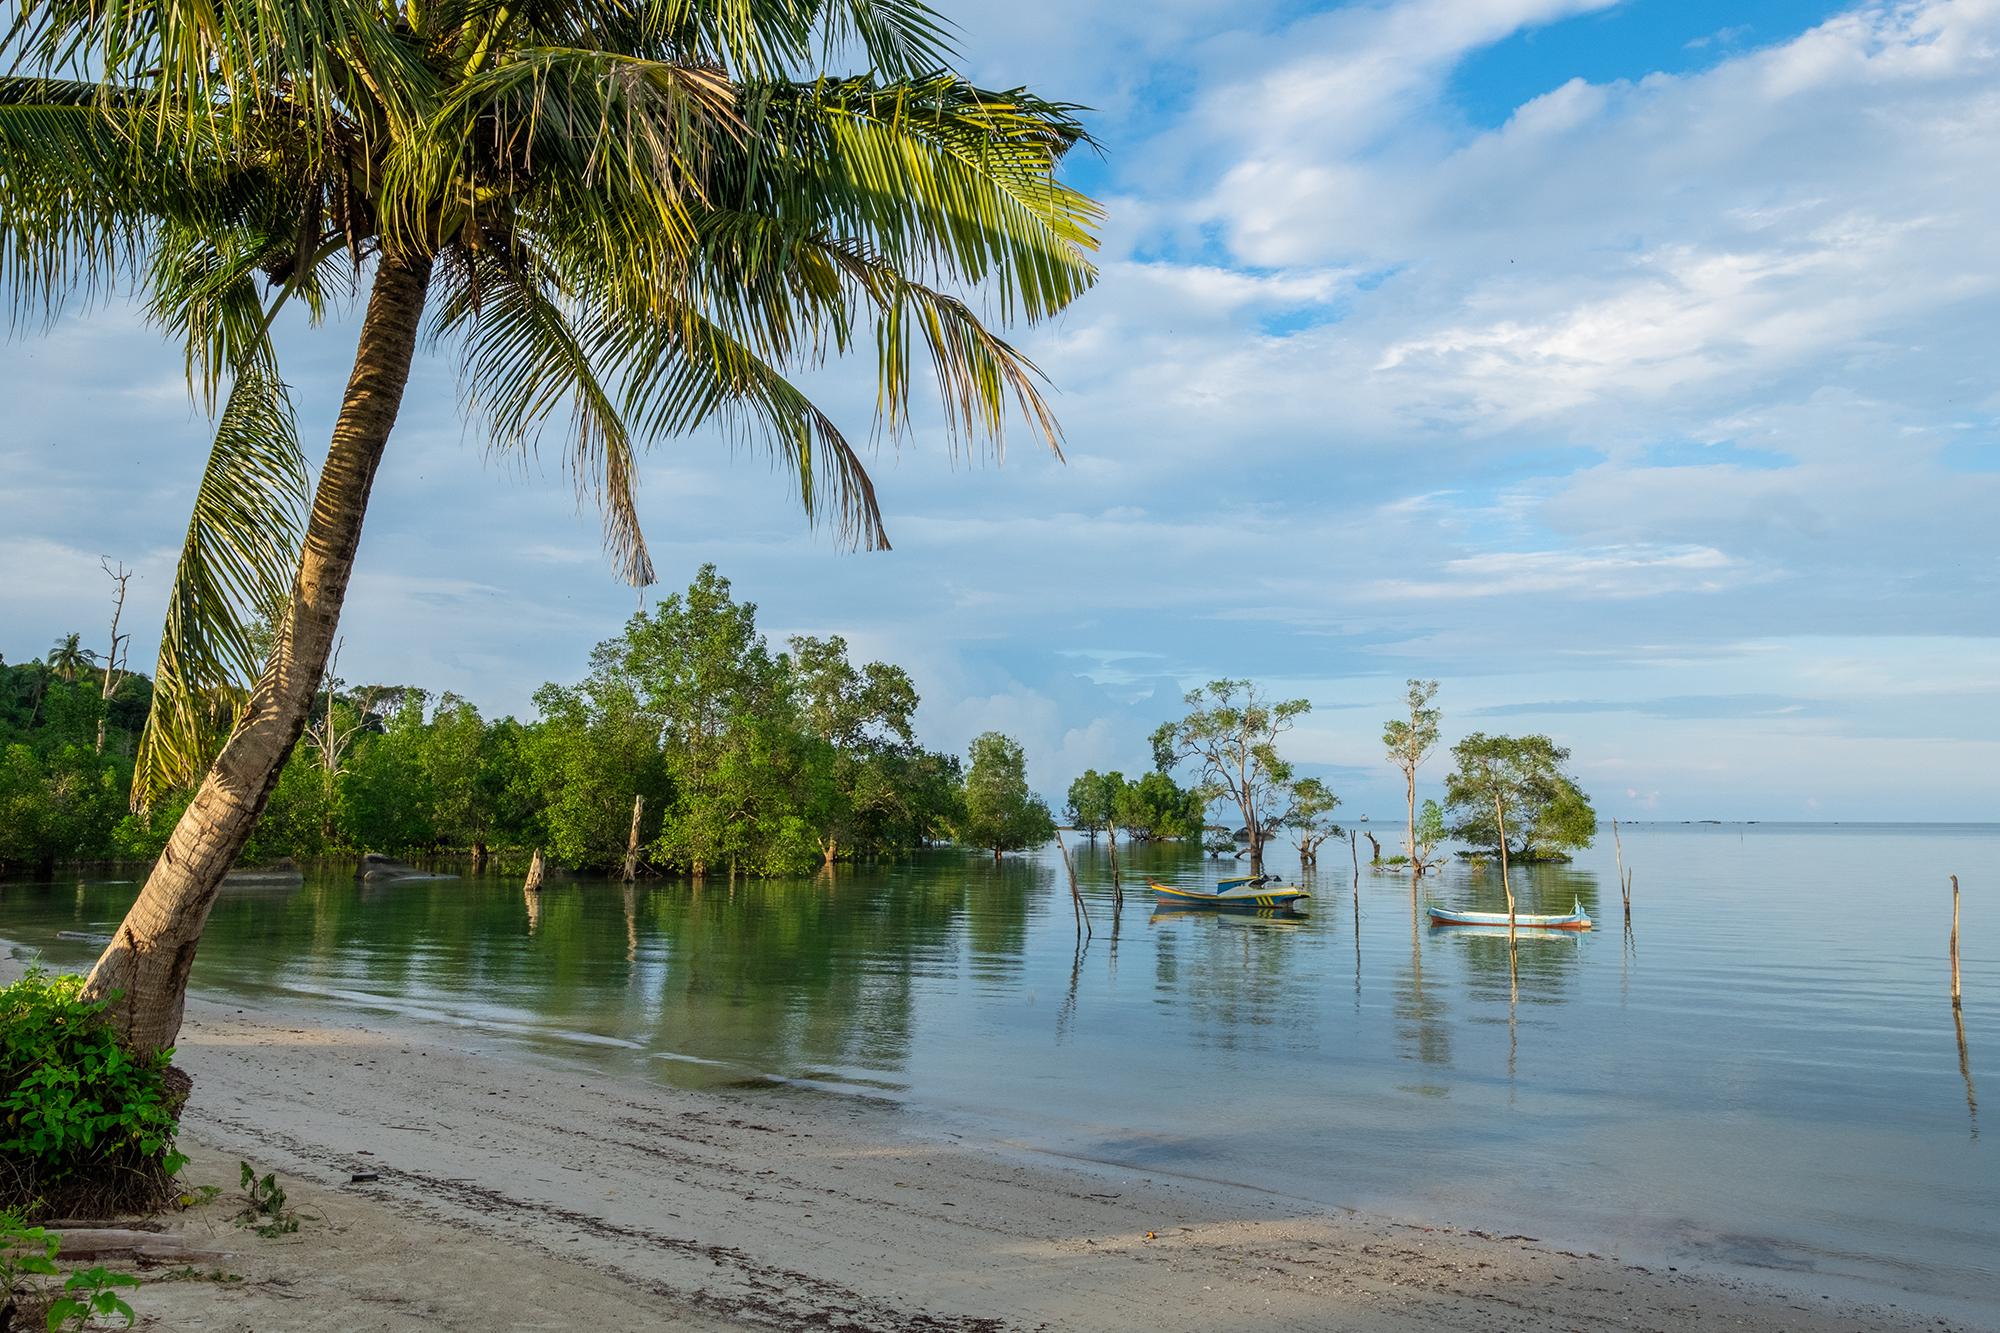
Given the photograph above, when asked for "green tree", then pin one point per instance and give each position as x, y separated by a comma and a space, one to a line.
68, 659
1154, 806
1546, 813
55, 807
1410, 742
580, 765
707, 680
1092, 801
748, 213
1430, 832
857, 715
1231, 735
999, 812
1309, 814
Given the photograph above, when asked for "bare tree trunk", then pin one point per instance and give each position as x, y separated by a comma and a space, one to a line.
113, 677
1083, 927
1117, 883
147, 962
1374, 849
536, 869
1411, 835
632, 841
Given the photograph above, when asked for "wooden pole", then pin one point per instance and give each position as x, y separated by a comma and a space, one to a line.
1117, 884
1075, 890
1500, 822
535, 871
1624, 876
1354, 850
632, 841
1954, 943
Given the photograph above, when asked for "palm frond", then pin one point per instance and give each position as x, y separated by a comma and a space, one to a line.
686, 371
943, 179
72, 221
236, 564
523, 362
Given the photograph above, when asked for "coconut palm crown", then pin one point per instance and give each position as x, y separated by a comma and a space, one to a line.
638, 219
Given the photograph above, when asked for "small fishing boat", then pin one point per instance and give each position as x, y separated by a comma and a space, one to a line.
1247, 895
1451, 916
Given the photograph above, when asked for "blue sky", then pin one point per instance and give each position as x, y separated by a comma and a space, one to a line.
1629, 367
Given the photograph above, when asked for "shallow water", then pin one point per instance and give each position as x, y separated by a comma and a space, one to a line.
1764, 1073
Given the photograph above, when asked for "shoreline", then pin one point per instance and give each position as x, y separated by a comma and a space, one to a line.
718, 1210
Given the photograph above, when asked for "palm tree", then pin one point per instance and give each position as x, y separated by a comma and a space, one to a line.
638, 216
69, 657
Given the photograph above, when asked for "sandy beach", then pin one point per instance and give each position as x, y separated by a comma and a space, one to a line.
511, 1192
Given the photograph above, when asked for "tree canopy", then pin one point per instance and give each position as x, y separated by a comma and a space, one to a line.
998, 811
1230, 735
1547, 814
763, 762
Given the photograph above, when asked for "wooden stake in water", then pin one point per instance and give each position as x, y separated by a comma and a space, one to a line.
1075, 891
1954, 943
1117, 883
1500, 823
535, 870
632, 842
1624, 875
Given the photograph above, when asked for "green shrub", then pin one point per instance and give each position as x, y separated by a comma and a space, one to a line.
86, 1127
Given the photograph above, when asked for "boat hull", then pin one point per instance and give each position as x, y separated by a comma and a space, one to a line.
1446, 916
1230, 900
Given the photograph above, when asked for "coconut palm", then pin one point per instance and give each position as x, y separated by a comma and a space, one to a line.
69, 657
638, 217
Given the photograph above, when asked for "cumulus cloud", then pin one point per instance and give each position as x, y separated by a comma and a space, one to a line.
1656, 387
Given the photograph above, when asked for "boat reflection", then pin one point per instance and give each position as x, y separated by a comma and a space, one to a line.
1267, 917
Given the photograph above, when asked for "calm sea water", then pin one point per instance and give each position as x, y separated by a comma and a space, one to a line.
1764, 1072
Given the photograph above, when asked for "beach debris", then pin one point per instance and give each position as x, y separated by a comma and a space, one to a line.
100, 1243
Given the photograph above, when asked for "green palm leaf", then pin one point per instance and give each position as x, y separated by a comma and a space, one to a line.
235, 569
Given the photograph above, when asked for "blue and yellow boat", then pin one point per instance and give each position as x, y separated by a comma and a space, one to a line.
1238, 895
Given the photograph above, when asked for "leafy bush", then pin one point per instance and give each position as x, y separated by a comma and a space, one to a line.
86, 1127
28, 1259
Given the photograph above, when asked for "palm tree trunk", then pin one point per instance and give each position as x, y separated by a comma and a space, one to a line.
146, 965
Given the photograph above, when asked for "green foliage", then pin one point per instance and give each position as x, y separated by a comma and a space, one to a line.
1092, 801
76, 1109
27, 1262
90, 1294
999, 812
55, 806
1547, 814
770, 763
1410, 742
264, 1208
25, 1252
1308, 812
748, 214
1430, 829
1230, 734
